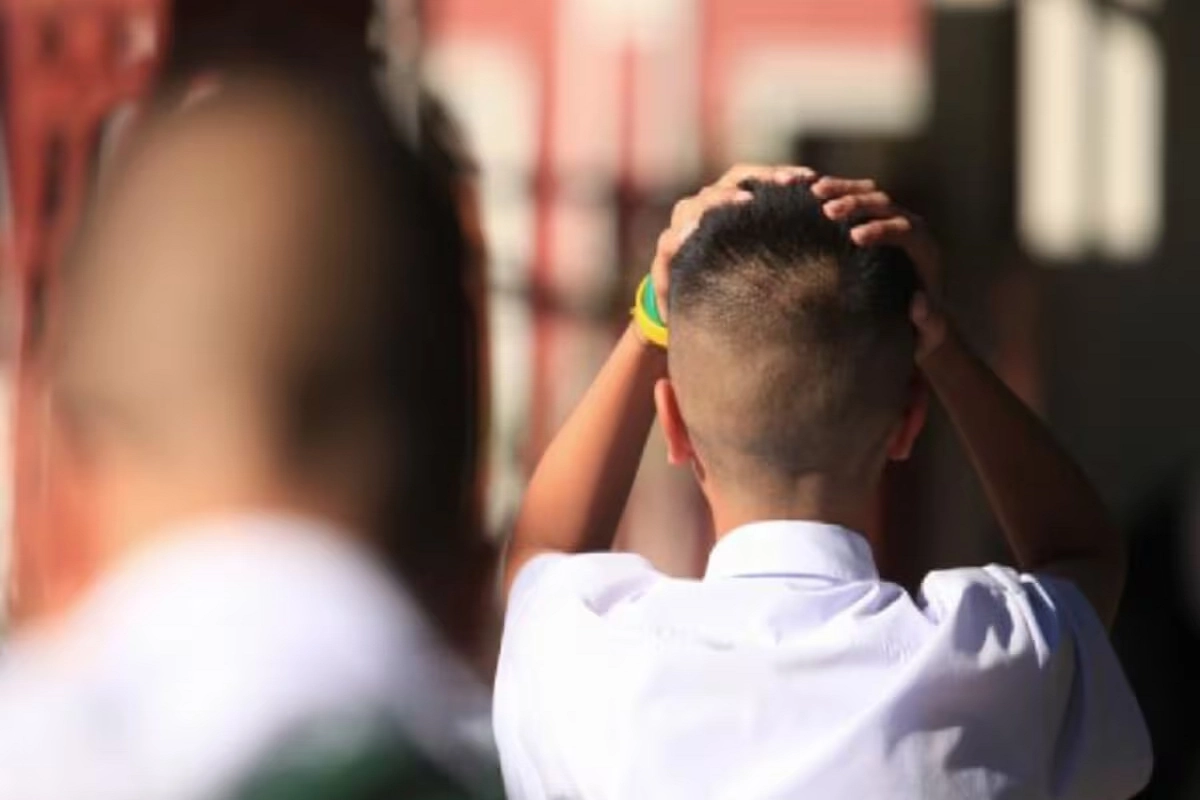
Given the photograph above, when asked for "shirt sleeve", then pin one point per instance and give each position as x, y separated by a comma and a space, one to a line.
528, 579
598, 580
1059, 678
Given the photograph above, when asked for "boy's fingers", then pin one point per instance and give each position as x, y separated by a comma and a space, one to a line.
666, 243
787, 175
728, 188
827, 188
682, 210
760, 172
744, 172
670, 240
660, 273
685, 218
692, 208
687, 213
719, 195
685, 232
882, 231
873, 204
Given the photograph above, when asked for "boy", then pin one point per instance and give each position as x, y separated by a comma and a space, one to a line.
791, 669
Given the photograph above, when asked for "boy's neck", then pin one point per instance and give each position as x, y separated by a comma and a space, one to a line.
813, 498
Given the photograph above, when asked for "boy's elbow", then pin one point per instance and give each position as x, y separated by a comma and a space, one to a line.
1097, 568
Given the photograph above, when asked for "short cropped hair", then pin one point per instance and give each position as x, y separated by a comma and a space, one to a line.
791, 346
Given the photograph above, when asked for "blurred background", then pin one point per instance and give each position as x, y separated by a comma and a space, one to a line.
1048, 142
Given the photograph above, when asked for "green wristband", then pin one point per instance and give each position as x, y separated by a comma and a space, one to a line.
646, 314
650, 303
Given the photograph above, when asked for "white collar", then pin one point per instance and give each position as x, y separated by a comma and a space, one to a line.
792, 548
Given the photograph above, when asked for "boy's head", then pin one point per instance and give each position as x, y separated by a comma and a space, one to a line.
791, 348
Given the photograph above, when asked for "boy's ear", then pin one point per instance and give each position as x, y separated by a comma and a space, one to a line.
679, 445
904, 437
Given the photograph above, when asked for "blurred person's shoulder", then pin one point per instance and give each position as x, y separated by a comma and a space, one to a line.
204, 651
358, 762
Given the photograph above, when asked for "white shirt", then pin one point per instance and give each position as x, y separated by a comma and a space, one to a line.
197, 659
792, 671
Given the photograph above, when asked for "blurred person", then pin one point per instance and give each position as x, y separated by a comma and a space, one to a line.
797, 352
262, 399
371, 38
211, 38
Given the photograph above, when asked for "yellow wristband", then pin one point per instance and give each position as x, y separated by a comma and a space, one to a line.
645, 314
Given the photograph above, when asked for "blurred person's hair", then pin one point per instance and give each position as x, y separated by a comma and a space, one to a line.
212, 37
791, 347
442, 145
442, 140
218, 34
390, 352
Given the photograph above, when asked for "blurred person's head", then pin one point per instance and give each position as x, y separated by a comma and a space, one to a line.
210, 38
792, 379
266, 311
213, 39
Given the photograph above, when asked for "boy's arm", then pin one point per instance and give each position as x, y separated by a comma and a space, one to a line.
578, 492
1052, 517
579, 489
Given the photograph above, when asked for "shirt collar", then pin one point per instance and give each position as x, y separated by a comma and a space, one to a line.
792, 548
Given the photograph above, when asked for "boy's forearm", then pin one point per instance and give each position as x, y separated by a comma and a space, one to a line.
578, 491
1052, 517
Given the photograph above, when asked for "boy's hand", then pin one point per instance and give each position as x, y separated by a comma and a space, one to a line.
881, 222
688, 212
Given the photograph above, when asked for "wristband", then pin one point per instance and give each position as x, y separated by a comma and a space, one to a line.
646, 314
